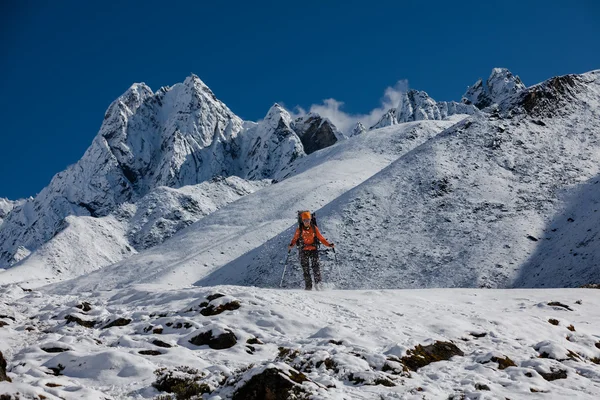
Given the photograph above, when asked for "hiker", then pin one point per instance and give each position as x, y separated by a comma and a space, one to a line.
306, 237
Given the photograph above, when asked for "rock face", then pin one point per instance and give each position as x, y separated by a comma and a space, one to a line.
501, 85
417, 105
316, 132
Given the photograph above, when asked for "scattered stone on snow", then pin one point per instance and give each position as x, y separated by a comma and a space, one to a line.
84, 306
553, 321
272, 384
55, 349
118, 322
160, 343
183, 382
554, 374
503, 363
150, 352
223, 341
212, 310
79, 321
421, 356
559, 304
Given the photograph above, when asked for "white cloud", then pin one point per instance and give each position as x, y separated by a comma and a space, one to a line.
332, 109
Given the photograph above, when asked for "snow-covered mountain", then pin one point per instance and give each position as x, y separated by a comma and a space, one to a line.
179, 136
506, 196
417, 105
501, 85
471, 206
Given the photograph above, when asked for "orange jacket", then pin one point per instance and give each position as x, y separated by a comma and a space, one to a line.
308, 237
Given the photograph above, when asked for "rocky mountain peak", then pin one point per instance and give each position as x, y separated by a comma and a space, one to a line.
416, 105
500, 85
357, 129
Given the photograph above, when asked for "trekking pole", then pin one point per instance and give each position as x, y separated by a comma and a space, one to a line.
337, 264
284, 267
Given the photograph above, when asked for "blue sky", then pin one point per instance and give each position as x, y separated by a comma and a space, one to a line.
64, 62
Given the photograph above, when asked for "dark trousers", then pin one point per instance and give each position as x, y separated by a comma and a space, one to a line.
308, 259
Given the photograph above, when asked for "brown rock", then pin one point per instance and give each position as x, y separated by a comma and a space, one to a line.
271, 384
223, 341
421, 356
79, 321
118, 322
212, 310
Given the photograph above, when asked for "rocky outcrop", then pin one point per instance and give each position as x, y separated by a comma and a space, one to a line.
316, 132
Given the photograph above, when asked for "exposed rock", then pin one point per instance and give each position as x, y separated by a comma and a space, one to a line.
559, 304
55, 349
183, 382
79, 321
553, 321
2, 324
160, 343
481, 386
421, 356
478, 335
3, 376
118, 322
150, 352
212, 310
503, 363
85, 306
315, 132
214, 296
554, 374
224, 340
272, 384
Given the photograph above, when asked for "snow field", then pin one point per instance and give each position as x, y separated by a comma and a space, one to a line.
348, 344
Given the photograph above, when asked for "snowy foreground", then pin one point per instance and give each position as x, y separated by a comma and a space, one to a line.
319, 345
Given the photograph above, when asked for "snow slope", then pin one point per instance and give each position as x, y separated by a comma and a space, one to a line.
469, 207
244, 225
85, 244
347, 344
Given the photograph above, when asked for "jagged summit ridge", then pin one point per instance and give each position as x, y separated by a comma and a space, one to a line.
500, 85
417, 105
